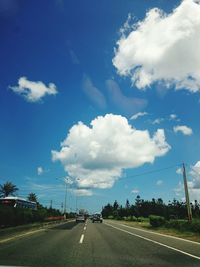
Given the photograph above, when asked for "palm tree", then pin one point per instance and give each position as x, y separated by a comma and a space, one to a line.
32, 197
8, 189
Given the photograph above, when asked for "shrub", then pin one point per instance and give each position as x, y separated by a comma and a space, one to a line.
156, 221
142, 219
183, 225
195, 226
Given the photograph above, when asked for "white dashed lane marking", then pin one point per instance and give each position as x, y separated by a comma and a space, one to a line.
81, 239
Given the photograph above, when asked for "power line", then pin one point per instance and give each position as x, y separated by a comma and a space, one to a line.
153, 171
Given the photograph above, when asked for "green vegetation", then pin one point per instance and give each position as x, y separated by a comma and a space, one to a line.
156, 221
10, 216
7, 189
145, 208
155, 214
32, 197
183, 225
13, 216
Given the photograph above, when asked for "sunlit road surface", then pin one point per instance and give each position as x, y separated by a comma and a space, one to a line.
106, 244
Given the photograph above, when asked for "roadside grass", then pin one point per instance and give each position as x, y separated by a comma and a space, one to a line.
22, 229
162, 230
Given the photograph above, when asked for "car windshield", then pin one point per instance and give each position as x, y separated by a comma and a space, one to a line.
100, 133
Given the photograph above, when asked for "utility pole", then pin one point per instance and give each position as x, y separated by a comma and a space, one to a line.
62, 207
65, 204
51, 202
189, 211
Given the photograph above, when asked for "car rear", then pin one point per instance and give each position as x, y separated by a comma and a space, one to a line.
97, 218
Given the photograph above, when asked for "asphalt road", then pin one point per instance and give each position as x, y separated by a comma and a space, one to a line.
90, 245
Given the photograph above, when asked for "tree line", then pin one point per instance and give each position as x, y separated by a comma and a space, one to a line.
11, 216
144, 208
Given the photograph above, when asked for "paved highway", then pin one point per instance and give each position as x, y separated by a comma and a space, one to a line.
88, 245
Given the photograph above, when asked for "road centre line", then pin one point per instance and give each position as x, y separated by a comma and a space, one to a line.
81, 239
84, 228
151, 232
153, 241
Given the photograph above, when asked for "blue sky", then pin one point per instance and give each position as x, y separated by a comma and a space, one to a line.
63, 62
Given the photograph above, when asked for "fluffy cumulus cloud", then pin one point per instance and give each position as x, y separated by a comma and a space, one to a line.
195, 173
193, 178
33, 91
162, 48
183, 129
95, 156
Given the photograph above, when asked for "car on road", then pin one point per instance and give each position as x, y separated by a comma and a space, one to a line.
97, 217
80, 218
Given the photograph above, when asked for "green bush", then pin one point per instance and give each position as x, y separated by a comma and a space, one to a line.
142, 219
156, 221
131, 219
195, 226
183, 225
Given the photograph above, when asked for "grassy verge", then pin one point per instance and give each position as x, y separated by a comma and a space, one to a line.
14, 231
167, 231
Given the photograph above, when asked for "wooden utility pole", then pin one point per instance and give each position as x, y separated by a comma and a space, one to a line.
189, 211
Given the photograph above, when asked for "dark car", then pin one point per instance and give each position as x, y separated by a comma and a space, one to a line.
97, 218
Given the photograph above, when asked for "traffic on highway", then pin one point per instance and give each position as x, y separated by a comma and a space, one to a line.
110, 243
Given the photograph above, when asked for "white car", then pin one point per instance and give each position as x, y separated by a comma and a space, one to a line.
80, 218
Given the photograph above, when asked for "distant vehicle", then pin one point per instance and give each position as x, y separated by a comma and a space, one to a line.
80, 218
97, 217
17, 202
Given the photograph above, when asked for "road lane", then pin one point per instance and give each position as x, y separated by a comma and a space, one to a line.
177, 243
102, 246
53, 247
111, 247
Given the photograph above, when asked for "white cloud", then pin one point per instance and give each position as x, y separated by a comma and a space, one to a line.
183, 129
68, 180
97, 155
40, 170
173, 117
193, 183
135, 191
33, 91
82, 192
179, 190
129, 105
179, 171
137, 115
162, 48
74, 57
195, 173
158, 121
93, 93
159, 182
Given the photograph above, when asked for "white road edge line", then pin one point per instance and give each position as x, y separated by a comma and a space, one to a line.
81, 239
151, 232
153, 241
29, 233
